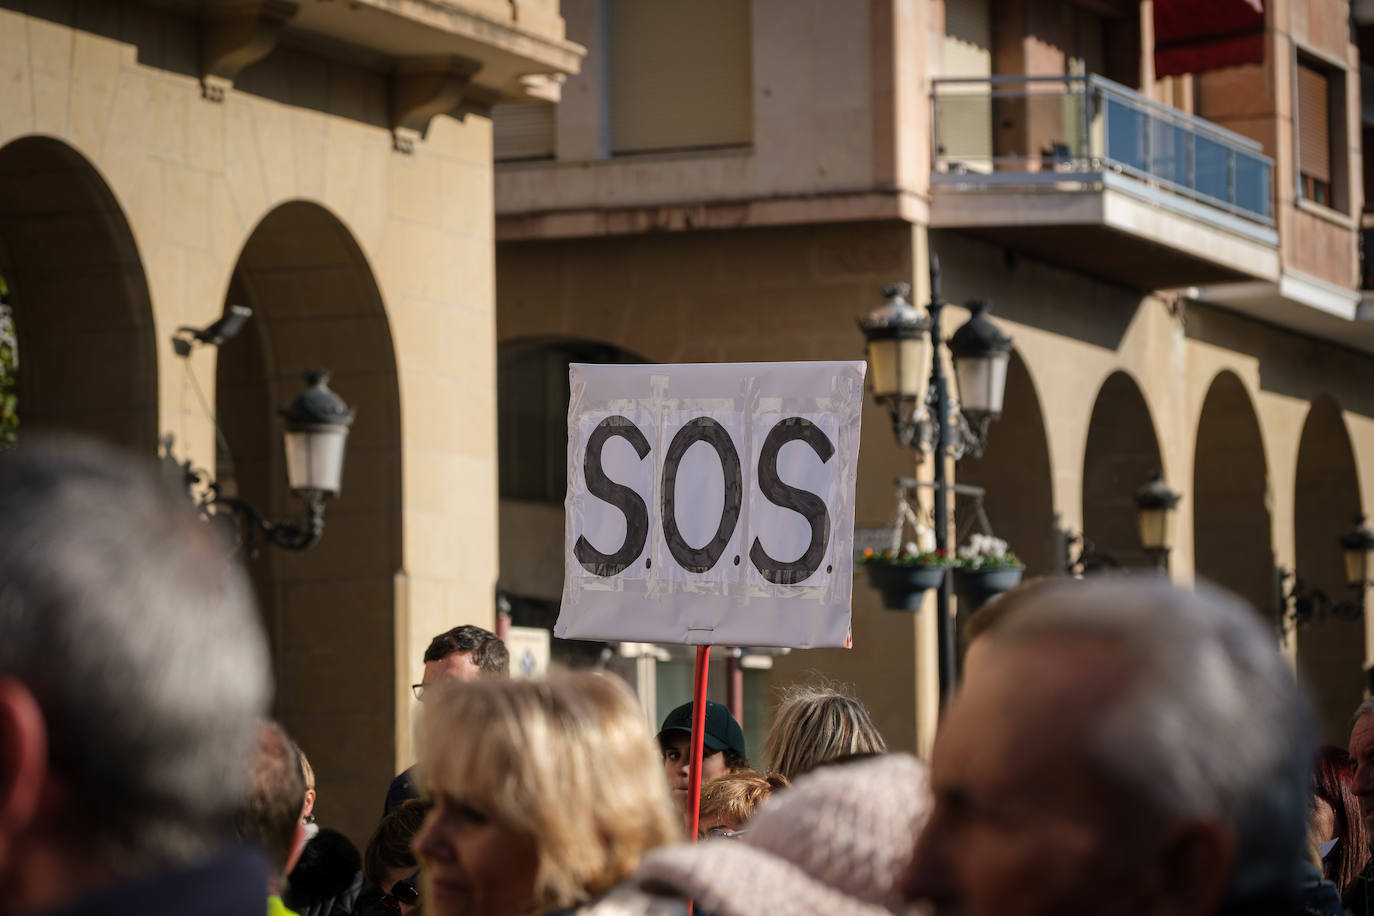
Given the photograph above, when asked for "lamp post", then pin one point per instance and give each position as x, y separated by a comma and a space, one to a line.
1157, 508
908, 377
315, 435
1303, 604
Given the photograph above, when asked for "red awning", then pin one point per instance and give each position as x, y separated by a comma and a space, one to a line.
1191, 37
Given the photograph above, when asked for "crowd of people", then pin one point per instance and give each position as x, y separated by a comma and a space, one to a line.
1115, 746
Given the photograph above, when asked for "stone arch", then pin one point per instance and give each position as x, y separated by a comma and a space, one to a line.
1015, 470
329, 610
1326, 499
82, 313
1232, 530
1121, 454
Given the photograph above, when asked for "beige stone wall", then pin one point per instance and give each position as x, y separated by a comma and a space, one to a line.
813, 120
746, 295
193, 179
793, 294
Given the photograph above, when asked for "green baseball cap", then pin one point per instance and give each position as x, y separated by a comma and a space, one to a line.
722, 731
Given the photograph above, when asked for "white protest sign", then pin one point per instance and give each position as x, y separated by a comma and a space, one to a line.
711, 504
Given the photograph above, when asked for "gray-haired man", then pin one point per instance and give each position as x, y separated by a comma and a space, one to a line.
1359, 896
132, 675
1124, 747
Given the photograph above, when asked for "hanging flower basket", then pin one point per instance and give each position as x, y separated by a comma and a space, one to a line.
976, 587
904, 577
984, 570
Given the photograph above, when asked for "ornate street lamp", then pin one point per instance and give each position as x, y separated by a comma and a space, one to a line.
981, 353
898, 346
1302, 604
315, 436
1357, 547
900, 361
1157, 506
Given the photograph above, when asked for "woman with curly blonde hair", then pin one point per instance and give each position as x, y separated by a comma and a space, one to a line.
547, 793
729, 802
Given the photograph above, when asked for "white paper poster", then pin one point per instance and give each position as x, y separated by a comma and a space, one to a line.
711, 504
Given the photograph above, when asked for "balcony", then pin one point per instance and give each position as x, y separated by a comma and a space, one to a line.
1085, 173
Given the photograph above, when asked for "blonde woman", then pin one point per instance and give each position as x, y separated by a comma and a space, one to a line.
546, 794
816, 725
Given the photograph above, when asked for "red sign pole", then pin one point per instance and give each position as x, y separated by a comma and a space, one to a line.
698, 737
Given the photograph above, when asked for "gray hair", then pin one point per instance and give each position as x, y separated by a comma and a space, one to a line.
1361, 711
1212, 722
121, 614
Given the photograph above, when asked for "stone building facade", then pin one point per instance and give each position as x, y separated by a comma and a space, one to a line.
1176, 259
328, 165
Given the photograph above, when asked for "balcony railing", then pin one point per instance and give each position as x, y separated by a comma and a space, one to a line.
1027, 130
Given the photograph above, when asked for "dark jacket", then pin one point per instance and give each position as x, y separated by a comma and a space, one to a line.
233, 883
327, 877
1359, 894
402, 790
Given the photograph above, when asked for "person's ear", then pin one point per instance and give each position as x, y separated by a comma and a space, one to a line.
1195, 861
297, 846
23, 761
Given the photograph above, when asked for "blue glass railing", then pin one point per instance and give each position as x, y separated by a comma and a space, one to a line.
1009, 130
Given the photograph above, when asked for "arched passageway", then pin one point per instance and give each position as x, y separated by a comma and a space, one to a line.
330, 609
1015, 472
1121, 455
82, 314
1232, 543
1326, 499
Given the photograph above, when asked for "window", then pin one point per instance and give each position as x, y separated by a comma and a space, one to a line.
532, 413
1321, 133
522, 131
679, 74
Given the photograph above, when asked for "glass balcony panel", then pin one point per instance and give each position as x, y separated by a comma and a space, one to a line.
1126, 127
1211, 176
1252, 185
1168, 152
964, 140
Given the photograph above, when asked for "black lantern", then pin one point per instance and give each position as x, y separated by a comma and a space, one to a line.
898, 350
1157, 506
316, 433
981, 353
1357, 547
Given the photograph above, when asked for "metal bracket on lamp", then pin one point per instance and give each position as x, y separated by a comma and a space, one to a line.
315, 436
915, 427
1300, 604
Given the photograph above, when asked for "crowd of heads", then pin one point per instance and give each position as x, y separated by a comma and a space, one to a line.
1122, 745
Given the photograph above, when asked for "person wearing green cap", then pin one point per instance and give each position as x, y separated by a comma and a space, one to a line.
723, 748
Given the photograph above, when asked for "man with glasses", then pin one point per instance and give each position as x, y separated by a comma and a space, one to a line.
461, 654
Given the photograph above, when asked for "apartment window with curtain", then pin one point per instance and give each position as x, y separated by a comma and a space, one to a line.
680, 74
1321, 133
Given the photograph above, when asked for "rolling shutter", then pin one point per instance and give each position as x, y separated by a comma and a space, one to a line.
1314, 123
522, 130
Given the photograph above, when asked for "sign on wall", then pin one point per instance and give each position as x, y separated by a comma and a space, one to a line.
711, 504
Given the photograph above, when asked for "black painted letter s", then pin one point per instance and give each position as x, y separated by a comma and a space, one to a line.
803, 502
630, 503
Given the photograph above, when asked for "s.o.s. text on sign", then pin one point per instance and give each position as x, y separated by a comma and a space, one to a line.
711, 504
